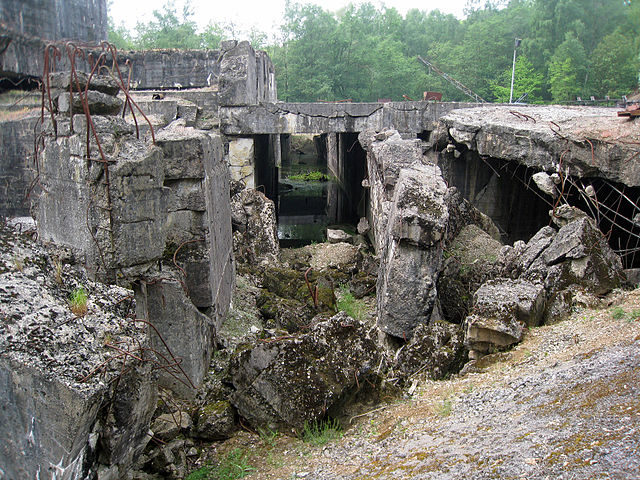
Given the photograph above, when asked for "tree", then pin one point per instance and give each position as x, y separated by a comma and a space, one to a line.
120, 36
615, 66
167, 30
567, 70
526, 80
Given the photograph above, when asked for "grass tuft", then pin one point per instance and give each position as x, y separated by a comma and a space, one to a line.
78, 302
232, 466
350, 305
321, 432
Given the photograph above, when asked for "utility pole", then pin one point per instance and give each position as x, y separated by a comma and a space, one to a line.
513, 70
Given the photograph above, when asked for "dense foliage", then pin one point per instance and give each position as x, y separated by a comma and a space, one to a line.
569, 48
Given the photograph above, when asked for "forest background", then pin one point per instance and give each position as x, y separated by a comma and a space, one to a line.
568, 49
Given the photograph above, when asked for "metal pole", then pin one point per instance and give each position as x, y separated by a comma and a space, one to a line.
513, 72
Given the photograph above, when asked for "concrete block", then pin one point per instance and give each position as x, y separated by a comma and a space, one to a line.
188, 334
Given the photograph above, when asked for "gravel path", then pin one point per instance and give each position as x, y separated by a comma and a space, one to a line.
564, 404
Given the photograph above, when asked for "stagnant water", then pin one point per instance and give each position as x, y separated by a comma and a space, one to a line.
305, 208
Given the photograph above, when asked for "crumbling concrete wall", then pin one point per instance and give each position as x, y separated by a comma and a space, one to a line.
155, 215
160, 69
27, 25
16, 145
247, 77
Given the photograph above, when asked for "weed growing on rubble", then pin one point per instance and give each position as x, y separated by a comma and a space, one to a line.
232, 466
18, 263
268, 436
444, 409
57, 271
78, 302
319, 433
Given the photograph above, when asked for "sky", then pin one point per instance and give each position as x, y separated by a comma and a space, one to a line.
265, 15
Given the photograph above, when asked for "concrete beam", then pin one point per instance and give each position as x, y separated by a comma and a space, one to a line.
316, 118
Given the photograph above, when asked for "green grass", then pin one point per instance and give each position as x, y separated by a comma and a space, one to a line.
231, 467
315, 176
444, 409
619, 313
200, 474
78, 302
350, 305
268, 436
318, 433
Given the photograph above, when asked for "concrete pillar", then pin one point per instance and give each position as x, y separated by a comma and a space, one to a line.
242, 161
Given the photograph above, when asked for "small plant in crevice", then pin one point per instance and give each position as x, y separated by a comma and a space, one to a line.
444, 409
321, 432
78, 302
57, 271
349, 304
18, 263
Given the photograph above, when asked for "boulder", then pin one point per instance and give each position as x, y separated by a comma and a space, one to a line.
342, 256
583, 258
288, 283
100, 83
284, 383
363, 226
215, 421
284, 313
168, 426
99, 103
335, 235
470, 260
463, 213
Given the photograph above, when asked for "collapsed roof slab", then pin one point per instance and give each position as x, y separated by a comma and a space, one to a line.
587, 141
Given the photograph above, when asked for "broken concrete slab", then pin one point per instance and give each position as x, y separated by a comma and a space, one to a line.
98, 103
74, 396
502, 308
586, 259
601, 143
327, 363
254, 219
411, 260
435, 350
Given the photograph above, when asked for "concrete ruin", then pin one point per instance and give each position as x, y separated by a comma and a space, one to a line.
156, 217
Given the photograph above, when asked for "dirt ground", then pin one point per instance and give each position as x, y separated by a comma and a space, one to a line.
564, 404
